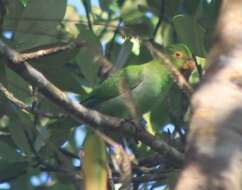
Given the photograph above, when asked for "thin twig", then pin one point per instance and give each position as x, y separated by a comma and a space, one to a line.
67, 153
111, 44
161, 18
45, 51
22, 106
87, 11
12, 98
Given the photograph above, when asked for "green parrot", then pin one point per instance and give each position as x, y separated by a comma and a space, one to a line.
147, 83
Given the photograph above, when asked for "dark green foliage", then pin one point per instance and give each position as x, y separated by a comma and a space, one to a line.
32, 141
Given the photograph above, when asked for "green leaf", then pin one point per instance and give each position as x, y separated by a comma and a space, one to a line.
41, 139
190, 33
149, 126
165, 34
14, 10
5, 137
192, 6
24, 2
133, 10
14, 83
105, 4
140, 26
8, 153
22, 131
62, 75
133, 14
54, 135
87, 58
159, 116
22, 181
71, 28
4, 121
194, 77
175, 104
10, 170
206, 15
143, 56
171, 7
48, 106
18, 86
61, 130
57, 65
123, 55
94, 161
38, 23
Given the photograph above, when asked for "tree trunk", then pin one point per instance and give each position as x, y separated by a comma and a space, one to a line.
214, 149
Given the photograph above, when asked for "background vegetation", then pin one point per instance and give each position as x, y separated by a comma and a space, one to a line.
39, 144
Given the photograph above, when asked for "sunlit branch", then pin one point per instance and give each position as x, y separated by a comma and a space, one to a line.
35, 54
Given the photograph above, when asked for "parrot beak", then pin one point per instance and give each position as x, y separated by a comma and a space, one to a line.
189, 65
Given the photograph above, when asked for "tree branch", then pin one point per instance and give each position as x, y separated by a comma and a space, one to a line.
214, 146
81, 113
45, 51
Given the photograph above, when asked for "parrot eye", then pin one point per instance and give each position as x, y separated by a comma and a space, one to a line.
178, 54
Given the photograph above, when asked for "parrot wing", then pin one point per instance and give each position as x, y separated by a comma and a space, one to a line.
109, 89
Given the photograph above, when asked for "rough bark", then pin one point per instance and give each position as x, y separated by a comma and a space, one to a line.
214, 149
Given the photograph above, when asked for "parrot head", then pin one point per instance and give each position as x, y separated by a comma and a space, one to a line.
182, 57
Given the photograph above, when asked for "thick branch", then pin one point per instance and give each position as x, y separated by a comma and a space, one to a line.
81, 113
